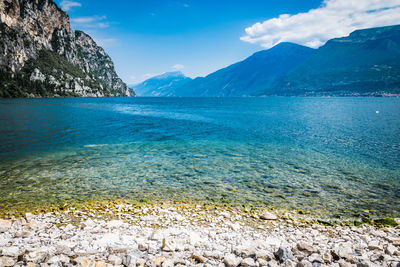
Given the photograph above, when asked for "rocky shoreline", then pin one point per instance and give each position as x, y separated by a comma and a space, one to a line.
191, 235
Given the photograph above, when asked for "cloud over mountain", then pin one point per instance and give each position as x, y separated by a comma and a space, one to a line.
334, 18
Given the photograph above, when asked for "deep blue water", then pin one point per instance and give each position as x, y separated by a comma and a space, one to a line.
328, 155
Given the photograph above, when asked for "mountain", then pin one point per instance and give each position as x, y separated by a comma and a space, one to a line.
247, 77
161, 85
367, 62
40, 55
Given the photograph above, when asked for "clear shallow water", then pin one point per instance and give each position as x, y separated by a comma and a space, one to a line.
328, 155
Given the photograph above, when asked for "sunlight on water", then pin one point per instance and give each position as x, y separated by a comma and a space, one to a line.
332, 156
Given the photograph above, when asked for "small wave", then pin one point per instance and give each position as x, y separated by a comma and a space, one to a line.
146, 110
94, 145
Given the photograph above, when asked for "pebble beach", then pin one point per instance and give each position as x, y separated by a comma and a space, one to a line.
193, 235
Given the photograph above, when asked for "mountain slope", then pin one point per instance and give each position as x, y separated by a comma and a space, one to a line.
366, 62
40, 55
161, 85
250, 75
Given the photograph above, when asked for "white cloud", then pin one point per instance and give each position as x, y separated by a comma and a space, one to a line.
66, 5
178, 67
334, 18
99, 22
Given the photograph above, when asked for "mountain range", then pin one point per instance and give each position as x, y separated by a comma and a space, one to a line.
367, 62
41, 56
161, 85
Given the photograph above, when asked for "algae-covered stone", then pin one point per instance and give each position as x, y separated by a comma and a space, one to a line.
386, 222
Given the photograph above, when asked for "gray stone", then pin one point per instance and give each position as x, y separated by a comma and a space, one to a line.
305, 247
29, 216
169, 244
7, 261
343, 263
115, 260
248, 262
245, 251
315, 257
142, 246
35, 256
11, 252
58, 259
304, 263
327, 257
283, 254
267, 215
231, 260
168, 263
343, 251
213, 254
262, 262
289, 263
272, 263
374, 244
5, 225
390, 249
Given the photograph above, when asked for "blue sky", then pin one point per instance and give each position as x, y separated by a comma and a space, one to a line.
148, 37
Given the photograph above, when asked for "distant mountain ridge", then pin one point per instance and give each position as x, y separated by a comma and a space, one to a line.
161, 85
40, 55
367, 62
248, 76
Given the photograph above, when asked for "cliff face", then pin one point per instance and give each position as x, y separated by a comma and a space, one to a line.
41, 56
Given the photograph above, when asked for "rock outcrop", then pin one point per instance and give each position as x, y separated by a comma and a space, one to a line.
40, 55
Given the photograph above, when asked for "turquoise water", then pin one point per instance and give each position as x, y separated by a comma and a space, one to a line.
335, 156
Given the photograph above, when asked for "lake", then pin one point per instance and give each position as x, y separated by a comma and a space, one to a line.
331, 156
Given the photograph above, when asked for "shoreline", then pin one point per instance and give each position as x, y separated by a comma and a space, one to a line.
170, 234
102, 207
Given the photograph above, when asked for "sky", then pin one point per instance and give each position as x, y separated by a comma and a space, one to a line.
149, 37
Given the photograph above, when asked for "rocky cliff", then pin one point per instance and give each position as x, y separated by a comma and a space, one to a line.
40, 55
